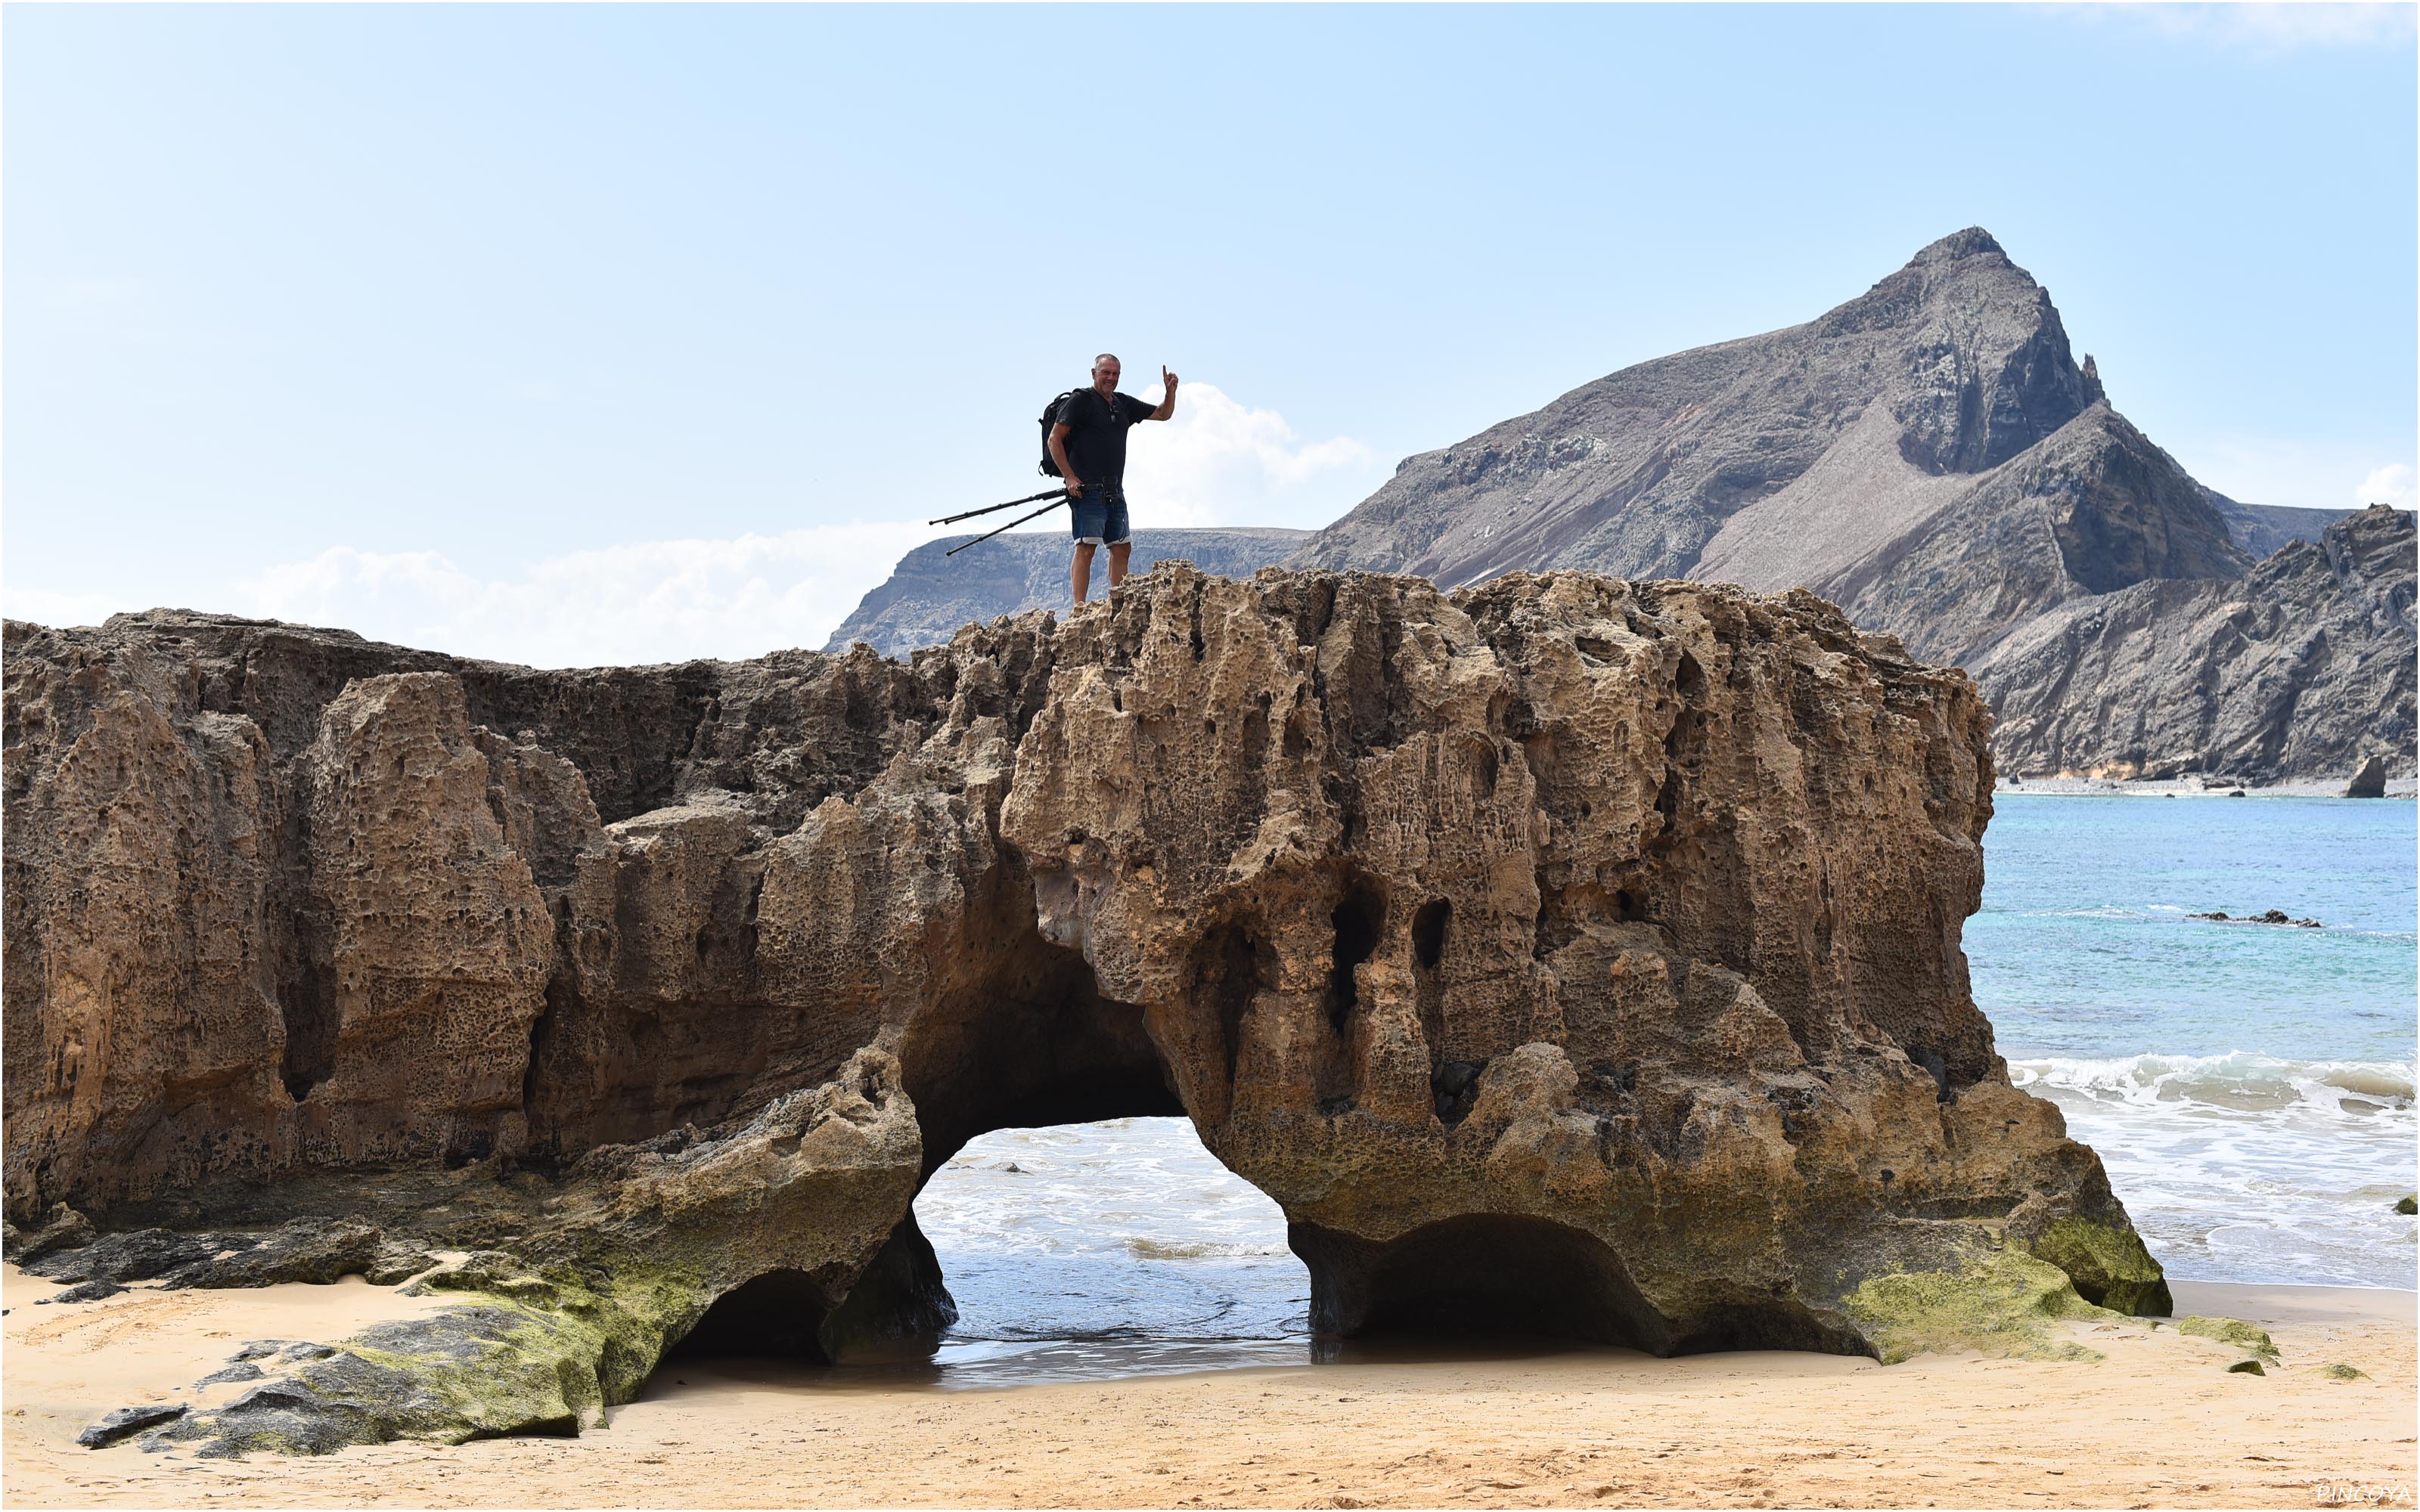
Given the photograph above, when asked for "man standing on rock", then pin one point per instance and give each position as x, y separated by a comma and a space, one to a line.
1088, 440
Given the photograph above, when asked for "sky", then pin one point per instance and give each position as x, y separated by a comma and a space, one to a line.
577, 334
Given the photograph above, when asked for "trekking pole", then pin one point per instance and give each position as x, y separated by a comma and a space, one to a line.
1010, 526
1059, 492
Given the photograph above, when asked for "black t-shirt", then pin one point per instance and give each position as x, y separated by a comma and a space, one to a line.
1096, 433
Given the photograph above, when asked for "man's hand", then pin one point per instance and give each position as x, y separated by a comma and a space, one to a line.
1075, 490
1167, 377
1167, 400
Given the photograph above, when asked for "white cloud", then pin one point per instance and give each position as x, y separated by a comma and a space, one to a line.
2261, 27
646, 601
1217, 462
2389, 484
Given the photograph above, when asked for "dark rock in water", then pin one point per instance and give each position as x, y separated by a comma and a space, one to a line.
2270, 916
2408, 1206
85, 1291
125, 1421
1563, 953
2370, 781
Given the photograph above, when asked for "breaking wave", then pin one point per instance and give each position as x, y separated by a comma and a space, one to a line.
2252, 1168
2240, 1080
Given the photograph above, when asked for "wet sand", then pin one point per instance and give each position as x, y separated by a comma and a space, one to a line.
2158, 1423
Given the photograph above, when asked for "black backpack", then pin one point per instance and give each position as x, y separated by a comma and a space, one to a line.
1049, 417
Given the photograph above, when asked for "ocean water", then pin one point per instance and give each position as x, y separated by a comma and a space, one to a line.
1102, 1249
2248, 1087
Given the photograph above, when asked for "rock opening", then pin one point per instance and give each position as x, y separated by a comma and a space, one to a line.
780, 1314
1232, 971
1478, 1275
1428, 933
895, 1309
1028, 1042
1357, 921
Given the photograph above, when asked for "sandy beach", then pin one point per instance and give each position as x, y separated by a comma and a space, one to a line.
2160, 1422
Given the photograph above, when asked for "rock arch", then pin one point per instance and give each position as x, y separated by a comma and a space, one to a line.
1557, 937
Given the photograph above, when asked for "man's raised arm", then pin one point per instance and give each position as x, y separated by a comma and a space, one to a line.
1167, 405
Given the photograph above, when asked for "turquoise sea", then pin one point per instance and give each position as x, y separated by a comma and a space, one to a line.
2249, 1088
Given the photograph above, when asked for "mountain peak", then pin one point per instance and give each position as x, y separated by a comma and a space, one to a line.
1972, 242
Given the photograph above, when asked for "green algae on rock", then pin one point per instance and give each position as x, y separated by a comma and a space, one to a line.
2007, 1304
2229, 1331
2108, 1264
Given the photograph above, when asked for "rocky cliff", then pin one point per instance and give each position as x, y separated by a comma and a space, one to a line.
2307, 657
930, 592
1561, 954
1931, 457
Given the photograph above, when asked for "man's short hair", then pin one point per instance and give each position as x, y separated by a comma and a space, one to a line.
1106, 357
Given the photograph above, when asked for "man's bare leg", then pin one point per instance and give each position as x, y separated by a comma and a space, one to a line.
1080, 576
1119, 552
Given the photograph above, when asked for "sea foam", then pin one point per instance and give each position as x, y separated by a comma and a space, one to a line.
2251, 1167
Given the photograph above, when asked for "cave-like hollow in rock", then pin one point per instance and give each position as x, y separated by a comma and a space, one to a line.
1035, 1044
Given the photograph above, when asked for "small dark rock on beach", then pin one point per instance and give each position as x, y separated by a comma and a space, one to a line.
88, 1291
127, 1420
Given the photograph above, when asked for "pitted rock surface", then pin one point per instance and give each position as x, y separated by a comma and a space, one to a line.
1566, 953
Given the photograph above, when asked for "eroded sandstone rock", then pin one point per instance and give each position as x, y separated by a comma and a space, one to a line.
1565, 953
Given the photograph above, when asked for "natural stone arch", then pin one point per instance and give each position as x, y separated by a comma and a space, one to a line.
1616, 921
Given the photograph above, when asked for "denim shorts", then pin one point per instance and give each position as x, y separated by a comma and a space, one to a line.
1099, 519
